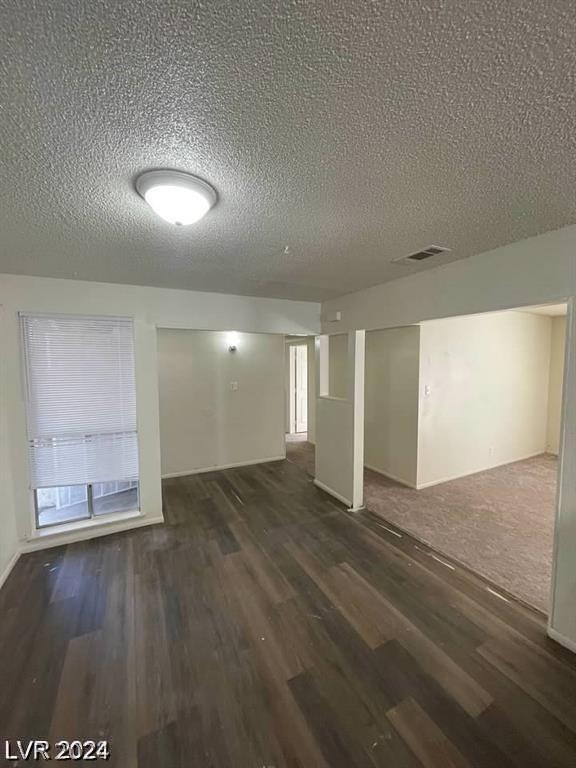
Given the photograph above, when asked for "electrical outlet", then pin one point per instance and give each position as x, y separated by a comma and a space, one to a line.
234, 386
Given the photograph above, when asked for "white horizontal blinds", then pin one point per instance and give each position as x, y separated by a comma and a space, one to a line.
81, 399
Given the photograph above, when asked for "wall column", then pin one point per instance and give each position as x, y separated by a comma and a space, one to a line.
562, 619
340, 425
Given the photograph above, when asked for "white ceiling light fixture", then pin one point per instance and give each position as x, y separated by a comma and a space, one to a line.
176, 197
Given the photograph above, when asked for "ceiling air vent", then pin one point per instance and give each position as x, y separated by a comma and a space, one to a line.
425, 253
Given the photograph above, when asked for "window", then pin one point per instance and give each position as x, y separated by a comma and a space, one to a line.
62, 505
81, 416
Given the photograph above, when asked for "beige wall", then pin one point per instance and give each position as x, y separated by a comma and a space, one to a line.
555, 384
338, 365
287, 387
483, 392
538, 270
8, 533
534, 271
204, 422
311, 389
462, 395
150, 308
340, 423
391, 402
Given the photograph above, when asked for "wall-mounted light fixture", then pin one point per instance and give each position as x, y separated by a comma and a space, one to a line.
232, 341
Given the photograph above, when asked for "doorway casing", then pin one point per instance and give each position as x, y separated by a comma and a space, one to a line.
298, 389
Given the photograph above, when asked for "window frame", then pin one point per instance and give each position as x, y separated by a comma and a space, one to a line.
89, 500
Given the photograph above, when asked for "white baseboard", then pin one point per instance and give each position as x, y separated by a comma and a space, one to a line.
236, 464
11, 563
562, 640
390, 476
419, 486
59, 539
332, 492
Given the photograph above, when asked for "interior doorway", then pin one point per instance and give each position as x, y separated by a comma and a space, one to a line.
464, 441
298, 389
462, 429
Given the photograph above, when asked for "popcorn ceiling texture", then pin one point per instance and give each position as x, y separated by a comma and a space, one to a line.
353, 132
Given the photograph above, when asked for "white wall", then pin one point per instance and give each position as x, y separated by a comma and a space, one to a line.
487, 402
287, 388
8, 533
204, 423
340, 424
555, 383
535, 271
163, 307
334, 449
150, 307
391, 403
539, 270
338, 361
311, 389
483, 392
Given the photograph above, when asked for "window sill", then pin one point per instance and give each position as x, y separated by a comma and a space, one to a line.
53, 531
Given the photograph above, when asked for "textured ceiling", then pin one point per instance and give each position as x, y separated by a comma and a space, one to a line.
351, 132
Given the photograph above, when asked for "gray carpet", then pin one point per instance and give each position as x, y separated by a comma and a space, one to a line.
500, 522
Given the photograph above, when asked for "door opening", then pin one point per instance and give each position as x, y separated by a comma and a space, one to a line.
298, 394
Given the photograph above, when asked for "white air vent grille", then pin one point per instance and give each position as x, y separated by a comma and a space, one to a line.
425, 253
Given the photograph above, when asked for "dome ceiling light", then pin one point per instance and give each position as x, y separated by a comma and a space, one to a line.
176, 197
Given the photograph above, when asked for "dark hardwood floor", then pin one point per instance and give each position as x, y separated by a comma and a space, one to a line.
265, 626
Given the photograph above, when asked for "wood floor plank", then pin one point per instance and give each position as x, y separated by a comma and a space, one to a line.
455, 680
28, 700
74, 691
155, 690
424, 737
269, 645
340, 747
545, 743
69, 575
376, 620
264, 625
334, 584
425, 597
546, 680
404, 677
262, 566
